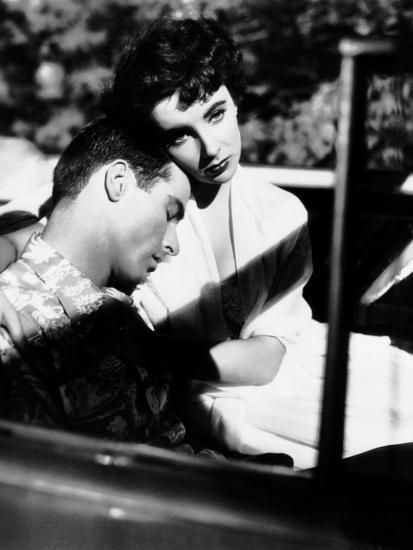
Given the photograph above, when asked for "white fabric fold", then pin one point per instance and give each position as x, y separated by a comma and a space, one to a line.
273, 262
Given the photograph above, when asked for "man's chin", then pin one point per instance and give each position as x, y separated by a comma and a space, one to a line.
127, 287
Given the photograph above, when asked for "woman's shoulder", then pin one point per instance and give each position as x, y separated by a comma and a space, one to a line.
268, 197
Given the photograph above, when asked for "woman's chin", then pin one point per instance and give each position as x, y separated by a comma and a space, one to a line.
222, 178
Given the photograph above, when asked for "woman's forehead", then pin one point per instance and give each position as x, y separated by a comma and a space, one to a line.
170, 112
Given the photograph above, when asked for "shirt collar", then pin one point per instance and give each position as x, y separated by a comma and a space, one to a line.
78, 295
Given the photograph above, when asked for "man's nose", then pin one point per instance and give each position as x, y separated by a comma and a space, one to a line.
170, 242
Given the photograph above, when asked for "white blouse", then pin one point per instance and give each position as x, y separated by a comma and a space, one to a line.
273, 262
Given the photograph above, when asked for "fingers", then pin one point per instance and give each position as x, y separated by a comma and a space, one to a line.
9, 318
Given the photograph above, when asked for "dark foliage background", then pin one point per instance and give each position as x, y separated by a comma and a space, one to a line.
56, 54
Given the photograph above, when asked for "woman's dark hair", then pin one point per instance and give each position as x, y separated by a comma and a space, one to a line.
101, 142
193, 57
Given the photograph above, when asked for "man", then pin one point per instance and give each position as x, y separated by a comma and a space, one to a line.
116, 207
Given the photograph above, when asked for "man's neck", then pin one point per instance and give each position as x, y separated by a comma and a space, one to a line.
79, 243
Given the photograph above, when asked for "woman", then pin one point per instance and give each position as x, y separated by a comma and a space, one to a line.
236, 287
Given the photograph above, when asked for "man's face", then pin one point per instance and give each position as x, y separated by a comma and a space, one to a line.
147, 228
204, 138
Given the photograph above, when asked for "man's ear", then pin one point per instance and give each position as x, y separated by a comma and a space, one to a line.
116, 179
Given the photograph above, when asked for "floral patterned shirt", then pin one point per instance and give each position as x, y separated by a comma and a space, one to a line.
86, 367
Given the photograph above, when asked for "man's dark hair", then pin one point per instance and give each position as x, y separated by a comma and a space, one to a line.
193, 57
101, 142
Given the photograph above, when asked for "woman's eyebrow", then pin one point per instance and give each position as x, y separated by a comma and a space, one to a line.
176, 130
185, 128
214, 106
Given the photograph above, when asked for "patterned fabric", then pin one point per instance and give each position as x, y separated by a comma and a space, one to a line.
232, 307
87, 367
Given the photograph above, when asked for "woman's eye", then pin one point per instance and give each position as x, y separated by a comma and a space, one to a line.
217, 115
178, 139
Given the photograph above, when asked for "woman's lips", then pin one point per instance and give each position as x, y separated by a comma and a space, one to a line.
217, 169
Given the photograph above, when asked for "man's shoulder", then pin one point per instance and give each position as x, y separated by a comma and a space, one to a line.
17, 280
17, 273
36, 305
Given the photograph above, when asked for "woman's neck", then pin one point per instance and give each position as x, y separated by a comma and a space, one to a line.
206, 195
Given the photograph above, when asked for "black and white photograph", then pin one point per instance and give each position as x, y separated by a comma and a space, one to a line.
206, 274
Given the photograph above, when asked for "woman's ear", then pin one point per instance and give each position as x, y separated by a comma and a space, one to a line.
116, 179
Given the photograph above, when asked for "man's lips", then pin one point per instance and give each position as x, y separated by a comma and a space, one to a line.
154, 265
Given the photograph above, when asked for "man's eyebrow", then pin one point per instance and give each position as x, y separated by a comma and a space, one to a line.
214, 106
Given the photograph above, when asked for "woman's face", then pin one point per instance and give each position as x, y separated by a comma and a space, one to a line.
204, 138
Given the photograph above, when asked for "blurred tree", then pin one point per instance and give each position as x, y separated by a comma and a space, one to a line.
292, 60
54, 58
56, 54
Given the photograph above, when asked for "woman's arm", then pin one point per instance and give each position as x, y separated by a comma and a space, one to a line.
11, 246
253, 361
8, 252
256, 357
20, 238
9, 318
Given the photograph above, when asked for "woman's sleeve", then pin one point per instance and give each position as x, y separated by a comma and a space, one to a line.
285, 313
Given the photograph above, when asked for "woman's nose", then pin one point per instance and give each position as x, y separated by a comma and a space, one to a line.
209, 146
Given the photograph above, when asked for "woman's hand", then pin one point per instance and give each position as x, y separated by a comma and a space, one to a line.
8, 252
9, 319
